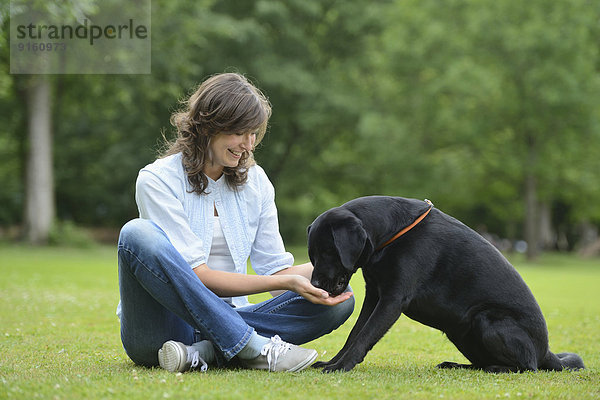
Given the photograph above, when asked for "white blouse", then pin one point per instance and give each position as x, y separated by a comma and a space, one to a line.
248, 227
248, 215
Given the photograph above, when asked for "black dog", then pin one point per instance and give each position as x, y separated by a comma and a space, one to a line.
440, 273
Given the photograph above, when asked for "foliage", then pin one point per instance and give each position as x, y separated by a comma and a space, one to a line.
456, 101
67, 234
60, 339
490, 93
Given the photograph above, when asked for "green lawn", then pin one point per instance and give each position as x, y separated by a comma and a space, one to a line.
60, 340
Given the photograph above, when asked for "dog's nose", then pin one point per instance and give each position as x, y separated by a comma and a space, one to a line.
316, 282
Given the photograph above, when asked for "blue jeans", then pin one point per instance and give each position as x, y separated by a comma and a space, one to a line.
163, 299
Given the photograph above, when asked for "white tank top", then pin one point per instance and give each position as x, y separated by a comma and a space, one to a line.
220, 259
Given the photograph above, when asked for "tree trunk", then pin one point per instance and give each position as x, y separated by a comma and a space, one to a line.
39, 185
547, 237
531, 202
531, 220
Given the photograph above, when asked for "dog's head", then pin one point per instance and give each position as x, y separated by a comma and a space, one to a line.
337, 246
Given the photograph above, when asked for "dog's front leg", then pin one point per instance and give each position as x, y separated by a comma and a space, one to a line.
371, 299
386, 312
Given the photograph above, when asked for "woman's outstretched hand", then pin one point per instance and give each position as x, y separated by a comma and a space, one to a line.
301, 285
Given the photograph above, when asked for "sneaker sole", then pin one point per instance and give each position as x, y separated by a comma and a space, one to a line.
171, 356
309, 360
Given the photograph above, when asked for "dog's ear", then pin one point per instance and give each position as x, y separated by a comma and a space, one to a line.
352, 244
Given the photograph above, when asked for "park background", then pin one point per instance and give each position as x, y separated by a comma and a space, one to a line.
491, 109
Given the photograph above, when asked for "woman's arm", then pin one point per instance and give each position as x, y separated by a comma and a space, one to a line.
304, 270
156, 198
228, 284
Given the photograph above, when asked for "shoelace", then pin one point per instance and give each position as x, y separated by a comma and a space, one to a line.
275, 348
194, 355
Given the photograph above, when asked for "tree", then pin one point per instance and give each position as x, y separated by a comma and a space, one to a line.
39, 206
306, 56
39, 183
503, 94
458, 101
39, 91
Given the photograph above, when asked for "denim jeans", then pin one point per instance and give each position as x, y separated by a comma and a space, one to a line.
163, 299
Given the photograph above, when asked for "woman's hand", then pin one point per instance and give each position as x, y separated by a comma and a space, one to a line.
301, 285
294, 278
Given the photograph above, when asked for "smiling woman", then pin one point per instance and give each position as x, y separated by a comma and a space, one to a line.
206, 208
226, 151
222, 107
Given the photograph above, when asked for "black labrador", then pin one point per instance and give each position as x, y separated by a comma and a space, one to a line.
440, 273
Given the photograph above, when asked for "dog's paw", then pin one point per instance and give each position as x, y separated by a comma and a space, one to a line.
500, 369
331, 368
448, 364
335, 367
320, 364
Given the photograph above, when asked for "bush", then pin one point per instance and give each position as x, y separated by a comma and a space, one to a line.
66, 233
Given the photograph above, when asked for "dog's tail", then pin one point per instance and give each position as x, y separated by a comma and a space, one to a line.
561, 361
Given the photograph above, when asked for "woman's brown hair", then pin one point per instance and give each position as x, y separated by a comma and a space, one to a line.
224, 103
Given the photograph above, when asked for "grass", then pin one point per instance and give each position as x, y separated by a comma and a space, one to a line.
60, 340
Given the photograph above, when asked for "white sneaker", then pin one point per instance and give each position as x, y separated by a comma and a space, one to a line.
177, 357
278, 355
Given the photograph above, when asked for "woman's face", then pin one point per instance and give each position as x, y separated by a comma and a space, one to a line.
226, 150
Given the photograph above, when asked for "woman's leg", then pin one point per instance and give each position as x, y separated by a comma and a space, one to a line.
295, 319
163, 299
145, 323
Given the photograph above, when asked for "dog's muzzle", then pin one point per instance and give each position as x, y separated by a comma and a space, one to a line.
333, 287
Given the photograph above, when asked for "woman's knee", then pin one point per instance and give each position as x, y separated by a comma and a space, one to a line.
343, 311
332, 317
140, 232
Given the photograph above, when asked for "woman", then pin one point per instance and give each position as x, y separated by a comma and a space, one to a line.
205, 209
